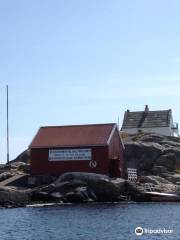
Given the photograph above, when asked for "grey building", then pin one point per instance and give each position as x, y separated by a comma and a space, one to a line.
160, 122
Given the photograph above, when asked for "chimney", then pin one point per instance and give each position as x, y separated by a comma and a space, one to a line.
146, 108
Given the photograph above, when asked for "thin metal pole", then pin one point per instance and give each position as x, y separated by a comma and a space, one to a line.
7, 124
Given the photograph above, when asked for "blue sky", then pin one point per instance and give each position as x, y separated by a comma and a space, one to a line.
76, 61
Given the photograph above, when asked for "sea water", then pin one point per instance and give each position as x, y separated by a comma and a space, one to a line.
91, 222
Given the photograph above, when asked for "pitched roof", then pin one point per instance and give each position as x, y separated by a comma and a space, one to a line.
73, 135
146, 119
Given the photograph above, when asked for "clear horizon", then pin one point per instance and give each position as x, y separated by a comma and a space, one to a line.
79, 62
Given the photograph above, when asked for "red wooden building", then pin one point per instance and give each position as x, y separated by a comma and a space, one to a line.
93, 148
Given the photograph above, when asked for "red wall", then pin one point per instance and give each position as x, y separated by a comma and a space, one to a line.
116, 151
41, 165
109, 160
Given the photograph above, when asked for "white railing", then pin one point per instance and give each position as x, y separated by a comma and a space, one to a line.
132, 174
149, 187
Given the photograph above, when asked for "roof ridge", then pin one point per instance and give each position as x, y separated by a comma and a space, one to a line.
79, 125
150, 111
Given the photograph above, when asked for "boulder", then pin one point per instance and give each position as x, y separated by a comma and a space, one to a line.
167, 160
82, 187
79, 195
67, 186
167, 188
159, 170
142, 155
80, 176
40, 196
56, 195
49, 188
13, 196
156, 180
152, 154
160, 184
40, 180
155, 138
103, 187
170, 144
108, 190
43, 194
173, 178
5, 175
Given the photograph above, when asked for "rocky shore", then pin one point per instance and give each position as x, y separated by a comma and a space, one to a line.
156, 158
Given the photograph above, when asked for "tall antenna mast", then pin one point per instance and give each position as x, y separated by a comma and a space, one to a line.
7, 124
118, 122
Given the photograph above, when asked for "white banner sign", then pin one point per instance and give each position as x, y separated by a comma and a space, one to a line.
69, 154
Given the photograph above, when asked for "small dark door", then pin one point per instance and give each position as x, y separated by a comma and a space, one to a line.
115, 168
